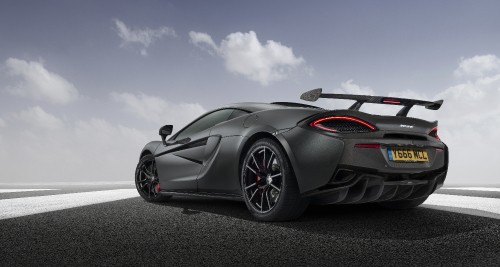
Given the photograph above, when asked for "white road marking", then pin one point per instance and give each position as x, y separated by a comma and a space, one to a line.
489, 207
489, 189
22, 190
17, 207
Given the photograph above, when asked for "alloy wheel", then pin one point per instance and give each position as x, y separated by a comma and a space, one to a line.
146, 179
263, 181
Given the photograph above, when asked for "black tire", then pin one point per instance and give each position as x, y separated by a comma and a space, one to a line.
402, 204
270, 182
146, 180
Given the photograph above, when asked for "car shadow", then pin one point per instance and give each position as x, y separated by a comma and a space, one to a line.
366, 221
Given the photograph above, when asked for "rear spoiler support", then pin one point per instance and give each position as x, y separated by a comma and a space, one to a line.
407, 103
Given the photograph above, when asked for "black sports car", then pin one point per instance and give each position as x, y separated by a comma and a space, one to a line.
279, 157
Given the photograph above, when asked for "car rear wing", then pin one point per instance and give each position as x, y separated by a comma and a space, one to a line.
315, 94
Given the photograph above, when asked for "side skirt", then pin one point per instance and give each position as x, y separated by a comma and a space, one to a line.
203, 195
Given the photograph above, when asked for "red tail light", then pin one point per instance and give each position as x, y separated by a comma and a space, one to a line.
343, 124
434, 133
391, 101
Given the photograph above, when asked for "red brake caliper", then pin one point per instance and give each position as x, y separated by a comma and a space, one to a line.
158, 187
258, 178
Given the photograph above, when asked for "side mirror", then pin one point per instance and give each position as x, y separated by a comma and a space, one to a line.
164, 132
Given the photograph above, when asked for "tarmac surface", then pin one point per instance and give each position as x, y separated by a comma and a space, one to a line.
97, 225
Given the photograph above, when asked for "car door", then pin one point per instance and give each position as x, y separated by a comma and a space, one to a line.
178, 165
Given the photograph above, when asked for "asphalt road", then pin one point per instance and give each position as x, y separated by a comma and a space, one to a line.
208, 232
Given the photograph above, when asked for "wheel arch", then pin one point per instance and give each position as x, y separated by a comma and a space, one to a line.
280, 140
313, 163
145, 152
248, 143
149, 148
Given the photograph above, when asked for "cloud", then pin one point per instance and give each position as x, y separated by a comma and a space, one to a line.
350, 87
157, 110
41, 147
35, 81
478, 66
203, 41
244, 54
141, 37
37, 117
83, 150
469, 124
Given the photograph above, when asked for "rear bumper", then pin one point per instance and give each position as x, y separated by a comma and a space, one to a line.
353, 185
318, 158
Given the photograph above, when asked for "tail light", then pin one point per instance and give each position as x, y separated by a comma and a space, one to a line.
391, 101
343, 124
434, 133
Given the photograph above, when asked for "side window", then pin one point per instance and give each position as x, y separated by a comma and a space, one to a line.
204, 123
236, 113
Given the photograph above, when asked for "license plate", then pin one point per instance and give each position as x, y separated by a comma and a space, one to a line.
407, 154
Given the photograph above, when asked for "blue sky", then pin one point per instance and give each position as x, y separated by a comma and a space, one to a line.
113, 71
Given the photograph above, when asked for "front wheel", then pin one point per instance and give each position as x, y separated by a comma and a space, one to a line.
268, 184
146, 180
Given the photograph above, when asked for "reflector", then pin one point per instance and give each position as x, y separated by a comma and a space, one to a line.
367, 145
